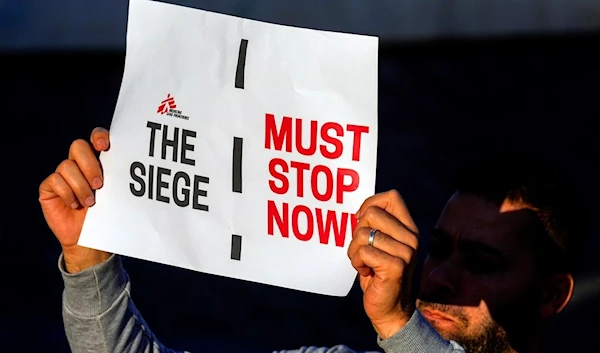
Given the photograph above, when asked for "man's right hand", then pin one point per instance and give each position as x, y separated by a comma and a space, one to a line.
66, 195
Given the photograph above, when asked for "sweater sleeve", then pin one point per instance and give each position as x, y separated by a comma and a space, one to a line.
418, 336
99, 315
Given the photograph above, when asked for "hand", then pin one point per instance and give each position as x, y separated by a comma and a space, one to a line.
385, 269
66, 195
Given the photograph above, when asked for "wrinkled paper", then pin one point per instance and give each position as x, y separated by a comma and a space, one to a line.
239, 148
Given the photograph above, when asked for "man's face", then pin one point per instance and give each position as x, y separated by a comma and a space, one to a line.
478, 281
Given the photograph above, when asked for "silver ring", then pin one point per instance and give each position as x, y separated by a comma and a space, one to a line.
372, 236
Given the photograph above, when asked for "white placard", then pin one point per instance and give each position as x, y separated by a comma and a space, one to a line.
239, 148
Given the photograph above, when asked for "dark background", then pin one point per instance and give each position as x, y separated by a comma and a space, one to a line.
439, 102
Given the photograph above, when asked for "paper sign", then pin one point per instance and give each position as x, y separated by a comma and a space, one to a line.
239, 148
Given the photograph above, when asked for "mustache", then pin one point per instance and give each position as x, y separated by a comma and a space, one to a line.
450, 310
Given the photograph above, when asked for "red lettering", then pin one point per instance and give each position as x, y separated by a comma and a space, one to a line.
327, 223
353, 222
331, 226
285, 185
358, 130
282, 220
342, 187
312, 147
300, 168
336, 142
309, 223
341, 184
278, 137
314, 183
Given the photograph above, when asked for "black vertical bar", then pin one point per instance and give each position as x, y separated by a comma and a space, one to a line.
236, 247
241, 64
237, 164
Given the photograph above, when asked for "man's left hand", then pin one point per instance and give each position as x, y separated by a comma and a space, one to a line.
386, 266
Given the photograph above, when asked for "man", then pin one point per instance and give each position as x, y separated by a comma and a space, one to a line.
500, 265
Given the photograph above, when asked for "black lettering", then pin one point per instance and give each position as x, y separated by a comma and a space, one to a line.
199, 192
153, 127
150, 181
174, 143
185, 192
135, 177
160, 184
187, 147
181, 183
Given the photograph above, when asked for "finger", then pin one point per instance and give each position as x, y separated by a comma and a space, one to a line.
81, 152
69, 170
369, 260
100, 139
55, 184
377, 218
392, 202
382, 242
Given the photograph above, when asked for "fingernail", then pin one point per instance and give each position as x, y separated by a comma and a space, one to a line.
89, 201
102, 144
75, 204
96, 183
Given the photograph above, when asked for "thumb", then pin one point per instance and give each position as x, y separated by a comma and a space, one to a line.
100, 139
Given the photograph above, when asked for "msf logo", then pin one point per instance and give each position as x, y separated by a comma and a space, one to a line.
166, 105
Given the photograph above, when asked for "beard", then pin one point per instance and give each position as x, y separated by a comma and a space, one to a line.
489, 338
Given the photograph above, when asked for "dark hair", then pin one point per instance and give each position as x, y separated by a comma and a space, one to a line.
543, 188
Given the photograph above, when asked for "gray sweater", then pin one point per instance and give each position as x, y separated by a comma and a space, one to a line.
100, 317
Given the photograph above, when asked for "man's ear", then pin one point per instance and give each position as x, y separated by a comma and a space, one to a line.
556, 294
